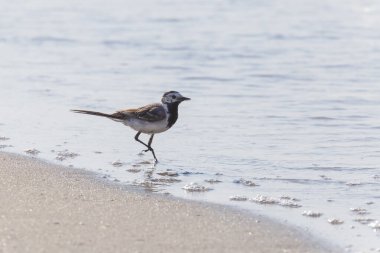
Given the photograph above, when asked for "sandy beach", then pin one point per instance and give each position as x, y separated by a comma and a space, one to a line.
47, 208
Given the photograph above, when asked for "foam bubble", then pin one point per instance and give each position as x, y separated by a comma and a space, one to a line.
353, 183
65, 154
364, 221
244, 182
212, 181
375, 225
260, 199
117, 163
359, 210
313, 214
334, 221
195, 187
32, 151
168, 173
238, 198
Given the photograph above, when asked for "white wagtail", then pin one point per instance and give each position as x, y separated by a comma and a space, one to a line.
150, 119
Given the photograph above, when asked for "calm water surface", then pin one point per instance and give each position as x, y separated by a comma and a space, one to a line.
285, 94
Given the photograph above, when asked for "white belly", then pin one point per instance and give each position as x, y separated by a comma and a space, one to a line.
147, 127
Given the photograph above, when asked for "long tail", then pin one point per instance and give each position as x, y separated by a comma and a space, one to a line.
111, 116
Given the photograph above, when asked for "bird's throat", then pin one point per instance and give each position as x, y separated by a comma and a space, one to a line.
173, 113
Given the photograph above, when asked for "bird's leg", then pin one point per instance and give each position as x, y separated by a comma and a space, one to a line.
148, 146
149, 143
154, 155
137, 139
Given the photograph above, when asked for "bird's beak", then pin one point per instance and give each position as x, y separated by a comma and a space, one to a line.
184, 98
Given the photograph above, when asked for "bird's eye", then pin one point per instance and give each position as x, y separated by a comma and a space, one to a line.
174, 97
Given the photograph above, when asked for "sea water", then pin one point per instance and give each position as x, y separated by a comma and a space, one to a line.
285, 112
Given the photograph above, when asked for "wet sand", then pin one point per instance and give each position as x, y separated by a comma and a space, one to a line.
47, 208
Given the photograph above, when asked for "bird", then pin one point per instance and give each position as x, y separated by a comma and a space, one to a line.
150, 119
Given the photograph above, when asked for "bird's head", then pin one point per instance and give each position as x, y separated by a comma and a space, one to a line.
171, 97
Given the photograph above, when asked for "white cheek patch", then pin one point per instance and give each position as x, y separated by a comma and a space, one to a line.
169, 99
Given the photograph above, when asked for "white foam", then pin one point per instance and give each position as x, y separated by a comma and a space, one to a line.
260, 199
289, 198
353, 183
359, 210
364, 221
313, 214
32, 151
289, 203
375, 225
238, 198
168, 173
134, 170
117, 163
65, 154
244, 182
212, 181
195, 187
334, 221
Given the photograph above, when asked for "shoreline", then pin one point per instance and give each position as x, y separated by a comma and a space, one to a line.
51, 208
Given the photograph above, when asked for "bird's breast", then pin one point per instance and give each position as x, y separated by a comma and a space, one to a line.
147, 127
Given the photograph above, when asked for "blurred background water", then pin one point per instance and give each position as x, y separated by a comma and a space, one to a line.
285, 94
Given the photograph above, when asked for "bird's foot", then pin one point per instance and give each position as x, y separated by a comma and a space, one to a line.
146, 150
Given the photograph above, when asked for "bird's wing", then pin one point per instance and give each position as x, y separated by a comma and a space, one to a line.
151, 113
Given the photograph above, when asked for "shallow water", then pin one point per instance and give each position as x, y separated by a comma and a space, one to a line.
284, 94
